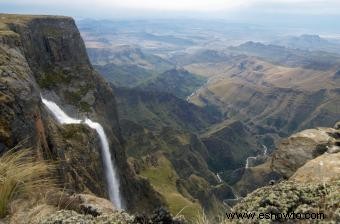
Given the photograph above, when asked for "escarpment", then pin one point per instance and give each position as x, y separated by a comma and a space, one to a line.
45, 56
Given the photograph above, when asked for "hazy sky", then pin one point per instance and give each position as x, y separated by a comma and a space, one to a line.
322, 11
304, 6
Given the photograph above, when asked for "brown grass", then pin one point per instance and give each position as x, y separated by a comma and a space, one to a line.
20, 176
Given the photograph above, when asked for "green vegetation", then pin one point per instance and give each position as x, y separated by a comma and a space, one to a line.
75, 97
21, 175
84, 107
49, 80
295, 197
163, 178
73, 131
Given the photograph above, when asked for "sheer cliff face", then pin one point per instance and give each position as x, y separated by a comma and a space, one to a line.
46, 55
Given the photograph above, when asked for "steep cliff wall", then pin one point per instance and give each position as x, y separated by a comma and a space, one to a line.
46, 55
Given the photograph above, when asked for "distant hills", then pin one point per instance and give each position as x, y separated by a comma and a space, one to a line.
288, 56
192, 112
309, 43
128, 55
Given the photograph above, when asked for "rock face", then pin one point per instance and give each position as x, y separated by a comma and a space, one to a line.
46, 55
295, 151
324, 168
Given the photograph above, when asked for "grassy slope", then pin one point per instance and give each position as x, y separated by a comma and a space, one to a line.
278, 98
185, 170
163, 178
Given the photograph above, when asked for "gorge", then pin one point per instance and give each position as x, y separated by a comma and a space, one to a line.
172, 144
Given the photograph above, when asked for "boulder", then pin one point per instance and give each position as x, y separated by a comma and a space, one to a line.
81, 203
337, 125
295, 151
322, 169
90, 204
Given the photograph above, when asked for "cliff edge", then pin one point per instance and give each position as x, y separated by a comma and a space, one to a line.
45, 56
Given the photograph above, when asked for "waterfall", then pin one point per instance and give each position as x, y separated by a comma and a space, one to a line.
265, 152
247, 161
218, 178
110, 172
59, 114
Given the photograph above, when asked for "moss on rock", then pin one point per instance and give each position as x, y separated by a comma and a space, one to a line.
288, 197
68, 217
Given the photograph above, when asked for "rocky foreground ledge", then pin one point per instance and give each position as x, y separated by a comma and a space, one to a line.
60, 208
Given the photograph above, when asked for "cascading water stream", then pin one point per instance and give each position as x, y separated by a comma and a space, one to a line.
218, 178
247, 160
265, 152
110, 172
59, 114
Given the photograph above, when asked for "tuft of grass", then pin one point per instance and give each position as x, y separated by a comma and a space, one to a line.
202, 218
20, 176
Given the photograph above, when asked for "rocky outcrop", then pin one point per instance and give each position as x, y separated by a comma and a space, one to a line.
60, 207
67, 216
46, 55
325, 168
255, 177
90, 204
295, 151
310, 159
337, 125
289, 197
308, 156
